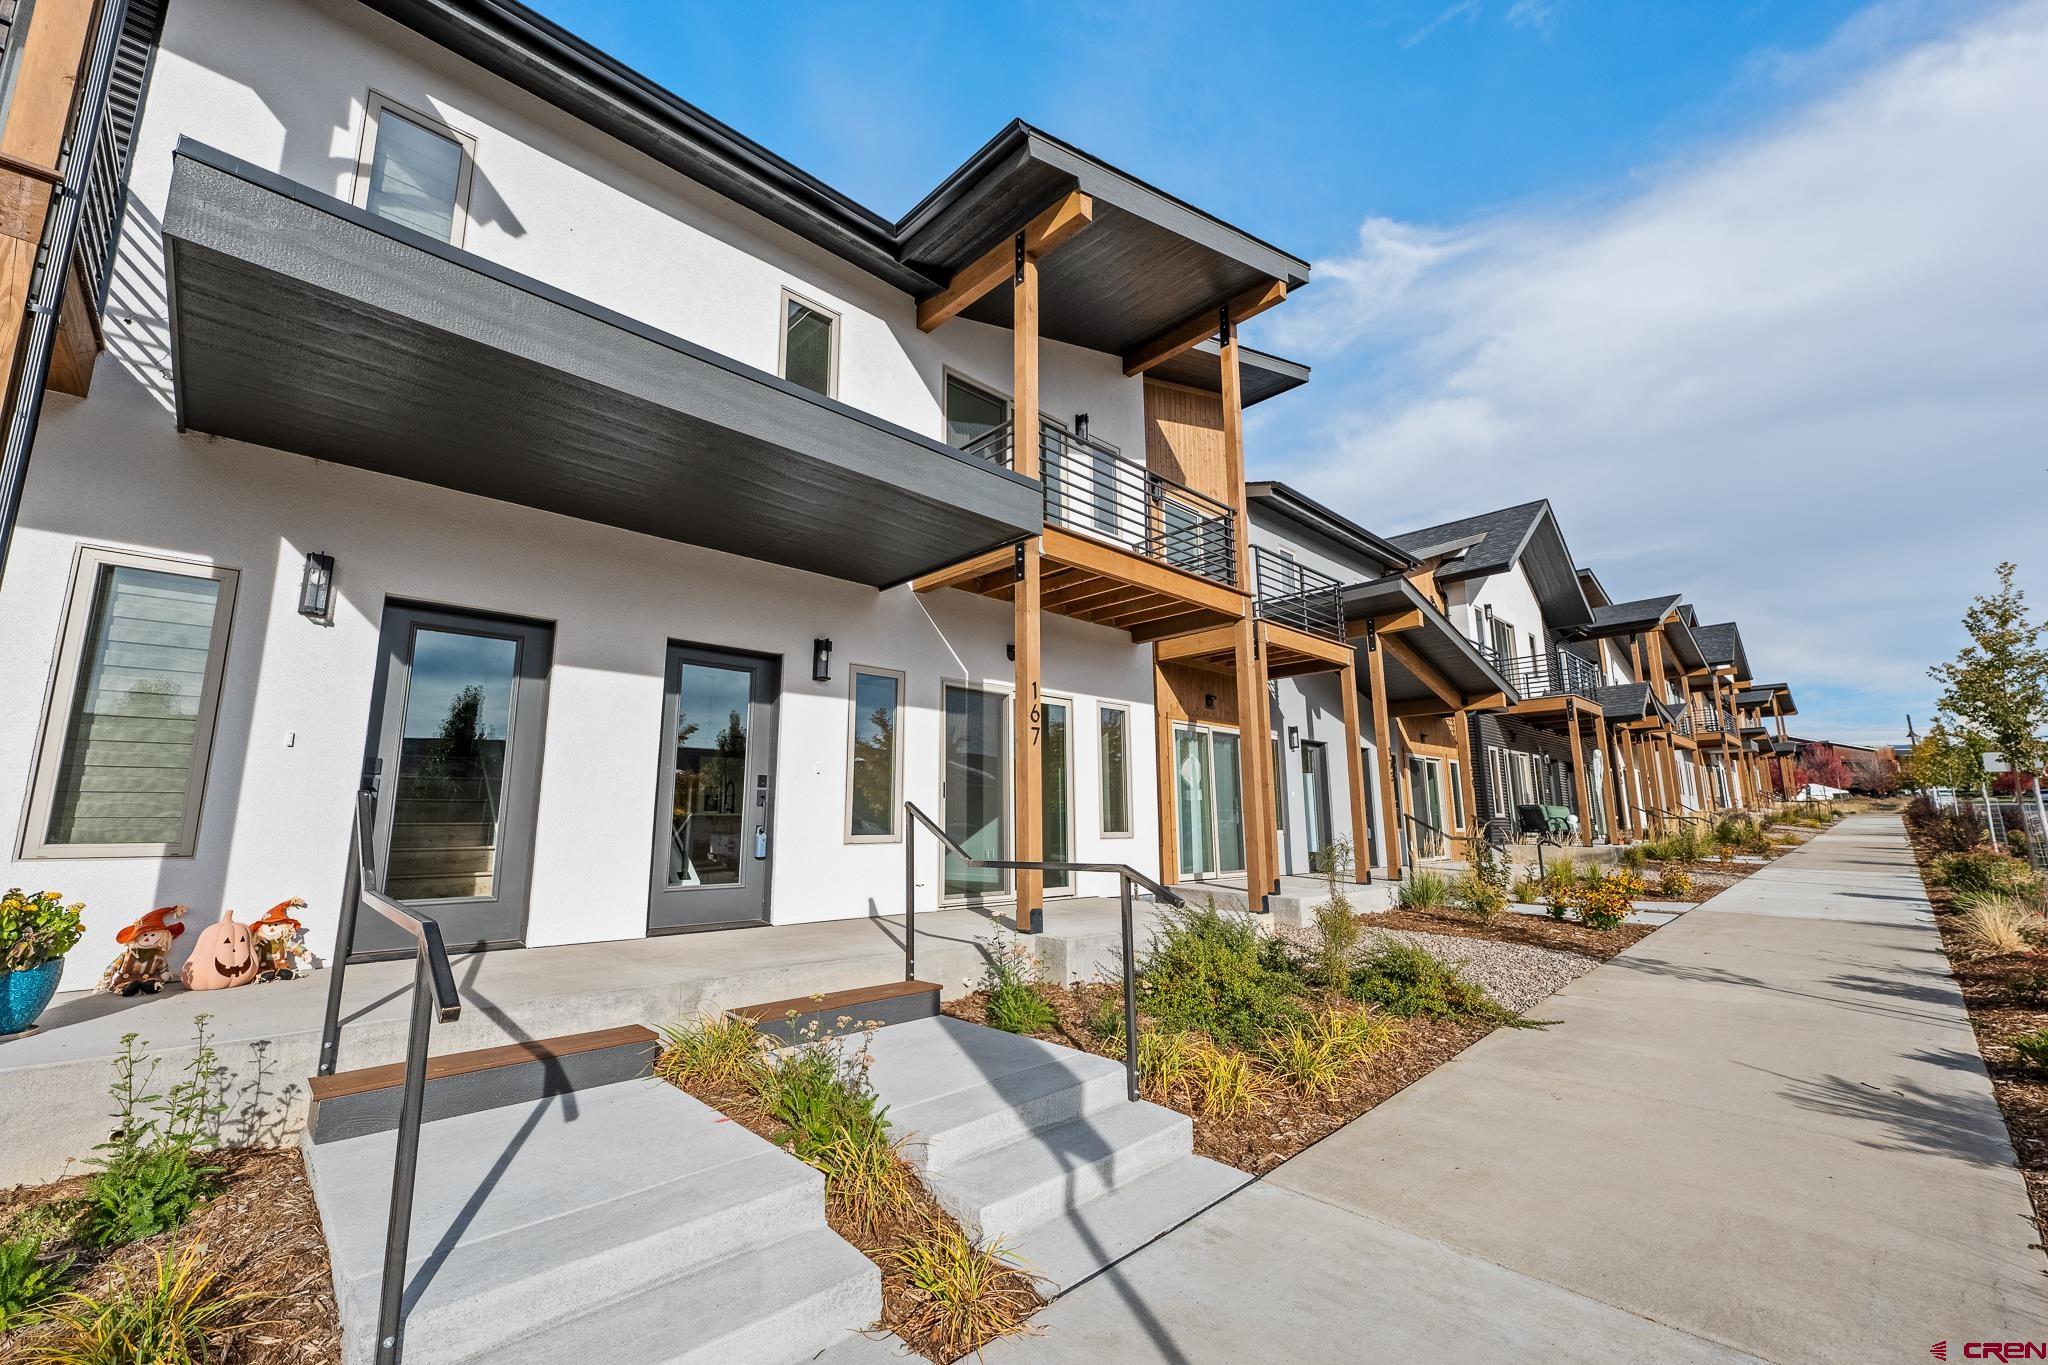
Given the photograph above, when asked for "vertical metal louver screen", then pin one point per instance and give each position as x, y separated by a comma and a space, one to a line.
112, 153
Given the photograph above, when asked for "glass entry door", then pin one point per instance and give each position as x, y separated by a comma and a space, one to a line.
1208, 801
1315, 797
713, 809
1057, 770
975, 794
455, 735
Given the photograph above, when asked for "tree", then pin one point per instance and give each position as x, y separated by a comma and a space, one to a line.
1945, 758
1821, 766
1997, 685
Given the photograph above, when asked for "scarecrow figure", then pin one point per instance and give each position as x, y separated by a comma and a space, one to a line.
278, 949
144, 964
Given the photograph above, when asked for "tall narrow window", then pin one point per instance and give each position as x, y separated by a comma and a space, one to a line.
130, 720
414, 171
810, 345
1115, 734
1457, 797
972, 412
875, 767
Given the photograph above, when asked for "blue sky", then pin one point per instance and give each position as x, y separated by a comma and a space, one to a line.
1756, 293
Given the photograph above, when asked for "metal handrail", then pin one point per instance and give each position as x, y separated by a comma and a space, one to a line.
1434, 843
1094, 489
1552, 674
1125, 874
433, 996
1295, 595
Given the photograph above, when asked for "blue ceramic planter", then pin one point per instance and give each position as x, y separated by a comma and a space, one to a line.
23, 995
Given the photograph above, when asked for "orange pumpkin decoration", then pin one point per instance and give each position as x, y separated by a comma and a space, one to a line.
223, 956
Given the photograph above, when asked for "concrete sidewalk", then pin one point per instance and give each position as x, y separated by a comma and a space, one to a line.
1763, 1132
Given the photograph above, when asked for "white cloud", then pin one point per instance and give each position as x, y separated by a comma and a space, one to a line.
1802, 377
1540, 15
1468, 10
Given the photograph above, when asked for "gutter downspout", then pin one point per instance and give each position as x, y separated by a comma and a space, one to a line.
60, 240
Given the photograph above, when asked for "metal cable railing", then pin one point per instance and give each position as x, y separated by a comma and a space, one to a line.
1092, 489
1125, 874
433, 997
1295, 595
1424, 839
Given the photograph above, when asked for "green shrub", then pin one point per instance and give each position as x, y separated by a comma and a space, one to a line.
2032, 1047
35, 927
1208, 971
1411, 982
170, 1317
1481, 900
29, 1278
1424, 890
1633, 858
723, 1049
152, 1174
1337, 935
1605, 902
1674, 884
1983, 874
1016, 1000
833, 1119
1106, 1020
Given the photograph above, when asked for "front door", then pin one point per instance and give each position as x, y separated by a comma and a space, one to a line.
1315, 798
1057, 771
455, 735
714, 805
975, 792
1209, 801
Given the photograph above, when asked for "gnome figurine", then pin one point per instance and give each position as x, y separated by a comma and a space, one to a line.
145, 962
278, 949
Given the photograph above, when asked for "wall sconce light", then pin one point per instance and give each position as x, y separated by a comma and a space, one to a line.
1208, 701
1294, 736
821, 660
1010, 651
316, 587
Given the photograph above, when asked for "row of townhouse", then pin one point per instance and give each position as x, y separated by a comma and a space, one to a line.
438, 408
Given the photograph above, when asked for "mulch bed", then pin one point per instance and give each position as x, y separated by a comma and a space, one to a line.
1507, 927
2004, 996
1282, 1123
879, 1243
262, 1235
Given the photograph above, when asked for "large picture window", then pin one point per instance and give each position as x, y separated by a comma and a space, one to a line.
875, 765
130, 715
1115, 733
414, 170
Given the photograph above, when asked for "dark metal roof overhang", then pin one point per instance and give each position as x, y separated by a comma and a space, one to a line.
1626, 618
1377, 555
1437, 641
1260, 376
303, 323
1146, 262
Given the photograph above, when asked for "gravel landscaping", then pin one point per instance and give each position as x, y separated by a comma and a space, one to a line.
1517, 975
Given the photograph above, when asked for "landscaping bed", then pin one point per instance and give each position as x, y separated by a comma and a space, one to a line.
1564, 936
259, 1239
941, 1293
2004, 986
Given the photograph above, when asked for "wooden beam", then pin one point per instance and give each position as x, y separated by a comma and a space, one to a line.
1066, 547
1579, 776
1231, 386
1417, 707
1191, 332
1607, 775
1216, 640
1048, 230
1027, 613
967, 570
1301, 642
1254, 762
1486, 701
1638, 822
1385, 625
1169, 809
1354, 768
1383, 745
1424, 671
1461, 730
1149, 631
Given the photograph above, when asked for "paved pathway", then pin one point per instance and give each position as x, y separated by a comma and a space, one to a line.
1764, 1132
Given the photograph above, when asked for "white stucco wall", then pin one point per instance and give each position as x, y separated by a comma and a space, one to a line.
1512, 600
283, 85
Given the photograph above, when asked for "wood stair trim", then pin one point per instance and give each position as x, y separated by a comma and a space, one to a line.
372, 1078
774, 1011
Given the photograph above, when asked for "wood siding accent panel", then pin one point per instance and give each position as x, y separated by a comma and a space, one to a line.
1184, 439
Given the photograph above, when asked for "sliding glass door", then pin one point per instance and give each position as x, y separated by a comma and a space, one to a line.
1208, 801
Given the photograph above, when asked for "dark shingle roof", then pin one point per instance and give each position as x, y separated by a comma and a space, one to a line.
1494, 542
1628, 617
1624, 701
1721, 644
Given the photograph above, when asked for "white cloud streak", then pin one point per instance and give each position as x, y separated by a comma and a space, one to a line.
1801, 377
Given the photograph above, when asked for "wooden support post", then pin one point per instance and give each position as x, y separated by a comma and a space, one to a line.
1607, 780
1169, 814
1461, 732
1638, 792
1354, 768
1383, 744
1027, 717
1571, 725
1233, 445
1254, 760
1676, 793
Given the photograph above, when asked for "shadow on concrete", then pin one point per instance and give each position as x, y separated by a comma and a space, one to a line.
1909, 1117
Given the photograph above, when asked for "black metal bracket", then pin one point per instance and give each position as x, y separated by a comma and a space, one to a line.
1020, 259
1020, 561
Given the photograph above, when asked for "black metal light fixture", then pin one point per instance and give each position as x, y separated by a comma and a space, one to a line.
1294, 736
316, 587
821, 660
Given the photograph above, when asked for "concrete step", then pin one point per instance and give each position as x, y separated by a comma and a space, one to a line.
1006, 1191
1067, 1249
956, 1090
357, 1103
778, 1305
529, 1215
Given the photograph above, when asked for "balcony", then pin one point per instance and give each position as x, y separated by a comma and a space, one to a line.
1555, 674
1704, 719
1095, 491
1294, 595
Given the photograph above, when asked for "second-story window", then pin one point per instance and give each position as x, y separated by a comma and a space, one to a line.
810, 345
972, 412
414, 170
